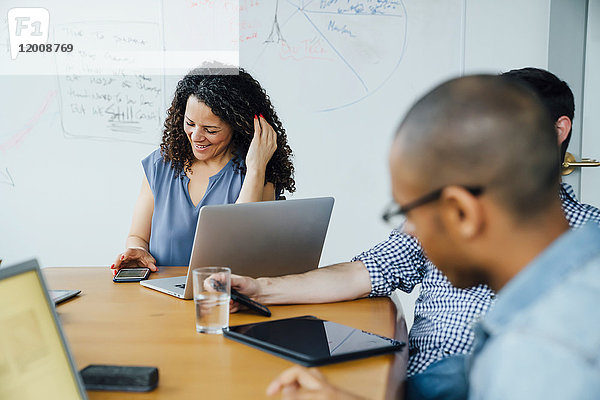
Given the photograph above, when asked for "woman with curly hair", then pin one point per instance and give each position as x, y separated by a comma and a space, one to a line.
222, 143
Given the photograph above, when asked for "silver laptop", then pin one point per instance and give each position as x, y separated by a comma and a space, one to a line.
269, 238
35, 362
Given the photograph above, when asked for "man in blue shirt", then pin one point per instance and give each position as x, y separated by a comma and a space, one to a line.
486, 215
442, 333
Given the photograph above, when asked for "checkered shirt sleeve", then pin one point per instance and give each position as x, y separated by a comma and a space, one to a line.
397, 263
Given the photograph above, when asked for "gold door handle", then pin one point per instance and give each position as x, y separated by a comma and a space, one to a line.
570, 163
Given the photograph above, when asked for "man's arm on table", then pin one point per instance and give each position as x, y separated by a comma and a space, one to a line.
396, 263
339, 282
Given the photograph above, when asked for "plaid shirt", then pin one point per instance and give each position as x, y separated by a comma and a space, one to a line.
443, 314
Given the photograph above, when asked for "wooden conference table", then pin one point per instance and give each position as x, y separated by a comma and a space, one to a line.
128, 324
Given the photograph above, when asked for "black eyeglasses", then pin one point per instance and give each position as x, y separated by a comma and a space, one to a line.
428, 198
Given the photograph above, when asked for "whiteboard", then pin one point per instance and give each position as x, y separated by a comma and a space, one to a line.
340, 73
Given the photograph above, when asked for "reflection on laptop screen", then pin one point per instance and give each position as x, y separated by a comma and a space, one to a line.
34, 363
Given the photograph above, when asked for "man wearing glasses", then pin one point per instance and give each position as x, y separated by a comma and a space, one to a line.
442, 334
485, 214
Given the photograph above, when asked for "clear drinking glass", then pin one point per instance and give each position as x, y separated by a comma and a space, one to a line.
211, 297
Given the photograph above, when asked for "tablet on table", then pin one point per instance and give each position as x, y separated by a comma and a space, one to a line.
311, 341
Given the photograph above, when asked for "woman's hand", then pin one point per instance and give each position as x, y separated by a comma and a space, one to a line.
134, 257
262, 147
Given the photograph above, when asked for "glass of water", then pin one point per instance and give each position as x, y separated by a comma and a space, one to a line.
211, 297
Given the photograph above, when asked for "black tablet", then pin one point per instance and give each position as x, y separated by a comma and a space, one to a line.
310, 341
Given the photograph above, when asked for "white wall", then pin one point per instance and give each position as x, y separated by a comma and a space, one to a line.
69, 183
504, 35
499, 36
70, 200
590, 177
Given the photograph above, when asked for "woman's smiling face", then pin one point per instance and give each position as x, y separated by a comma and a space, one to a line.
207, 133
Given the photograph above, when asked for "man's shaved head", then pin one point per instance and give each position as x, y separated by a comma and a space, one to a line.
484, 131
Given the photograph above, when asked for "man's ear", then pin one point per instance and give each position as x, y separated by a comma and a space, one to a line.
563, 127
461, 212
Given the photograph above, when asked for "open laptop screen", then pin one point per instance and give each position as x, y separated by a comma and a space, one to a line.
34, 362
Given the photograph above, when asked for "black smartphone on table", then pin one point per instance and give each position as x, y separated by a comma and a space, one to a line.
251, 304
131, 275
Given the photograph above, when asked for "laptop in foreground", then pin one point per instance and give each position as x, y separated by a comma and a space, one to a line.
35, 362
269, 238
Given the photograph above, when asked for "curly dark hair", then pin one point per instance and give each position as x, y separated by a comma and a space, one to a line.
235, 99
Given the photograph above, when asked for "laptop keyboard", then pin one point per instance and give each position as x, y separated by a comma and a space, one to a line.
181, 285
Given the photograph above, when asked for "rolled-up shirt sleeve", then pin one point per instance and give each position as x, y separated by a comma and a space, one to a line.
397, 263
